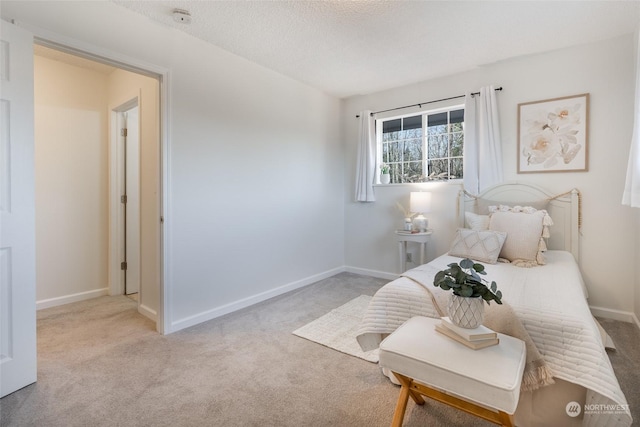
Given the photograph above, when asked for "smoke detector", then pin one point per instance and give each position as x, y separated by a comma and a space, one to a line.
182, 16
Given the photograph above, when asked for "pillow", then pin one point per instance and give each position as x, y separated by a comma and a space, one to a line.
481, 246
475, 221
484, 206
526, 228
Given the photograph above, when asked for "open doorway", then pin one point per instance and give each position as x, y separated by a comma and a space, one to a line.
81, 249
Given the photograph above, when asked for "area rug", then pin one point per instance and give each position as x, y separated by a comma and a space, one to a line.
338, 328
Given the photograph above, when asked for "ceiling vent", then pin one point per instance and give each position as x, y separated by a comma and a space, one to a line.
181, 16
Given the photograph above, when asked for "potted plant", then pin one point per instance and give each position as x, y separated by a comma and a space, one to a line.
469, 291
385, 177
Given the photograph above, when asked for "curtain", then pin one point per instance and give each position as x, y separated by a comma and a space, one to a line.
631, 195
482, 146
366, 166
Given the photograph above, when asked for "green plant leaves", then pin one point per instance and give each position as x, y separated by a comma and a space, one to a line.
466, 263
467, 283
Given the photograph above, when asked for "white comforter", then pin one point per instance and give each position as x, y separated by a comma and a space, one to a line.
550, 301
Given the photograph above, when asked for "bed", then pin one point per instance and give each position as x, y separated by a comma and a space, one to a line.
549, 300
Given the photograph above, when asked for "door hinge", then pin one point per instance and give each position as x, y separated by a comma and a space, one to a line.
123, 132
123, 265
123, 199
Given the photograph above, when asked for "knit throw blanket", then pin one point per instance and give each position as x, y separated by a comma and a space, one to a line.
501, 318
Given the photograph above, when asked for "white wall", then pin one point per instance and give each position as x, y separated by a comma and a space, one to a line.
122, 87
256, 169
71, 182
608, 244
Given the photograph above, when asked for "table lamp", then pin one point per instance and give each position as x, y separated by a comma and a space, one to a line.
420, 203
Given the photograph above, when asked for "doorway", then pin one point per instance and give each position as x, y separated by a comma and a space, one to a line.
121, 244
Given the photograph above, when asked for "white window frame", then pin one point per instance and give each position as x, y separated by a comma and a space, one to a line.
425, 136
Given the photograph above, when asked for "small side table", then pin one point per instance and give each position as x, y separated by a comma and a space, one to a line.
403, 237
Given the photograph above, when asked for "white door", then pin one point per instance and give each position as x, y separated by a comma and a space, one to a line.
17, 212
132, 207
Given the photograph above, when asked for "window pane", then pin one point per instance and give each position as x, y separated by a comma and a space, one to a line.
413, 149
391, 126
456, 116
456, 169
437, 119
437, 130
385, 152
438, 167
457, 127
457, 144
412, 171
438, 146
412, 133
395, 173
393, 152
414, 122
391, 136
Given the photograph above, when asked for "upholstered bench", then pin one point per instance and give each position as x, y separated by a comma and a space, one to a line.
483, 382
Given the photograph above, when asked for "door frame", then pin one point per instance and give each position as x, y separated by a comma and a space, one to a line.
162, 74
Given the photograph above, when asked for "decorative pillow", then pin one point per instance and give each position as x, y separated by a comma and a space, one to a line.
481, 246
483, 206
475, 221
526, 228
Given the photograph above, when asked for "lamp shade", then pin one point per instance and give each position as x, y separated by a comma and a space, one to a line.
420, 202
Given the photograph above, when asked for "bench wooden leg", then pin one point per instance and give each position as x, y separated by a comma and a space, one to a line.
401, 407
408, 382
417, 390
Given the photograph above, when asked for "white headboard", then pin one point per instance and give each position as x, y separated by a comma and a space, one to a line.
564, 210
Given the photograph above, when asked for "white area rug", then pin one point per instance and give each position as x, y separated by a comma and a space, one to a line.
337, 329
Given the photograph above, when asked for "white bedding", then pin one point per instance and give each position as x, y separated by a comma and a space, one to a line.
549, 300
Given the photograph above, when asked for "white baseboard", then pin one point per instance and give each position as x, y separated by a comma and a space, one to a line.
66, 299
246, 302
372, 273
147, 312
609, 313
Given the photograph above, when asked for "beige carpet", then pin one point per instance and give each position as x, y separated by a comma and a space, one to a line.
338, 328
100, 363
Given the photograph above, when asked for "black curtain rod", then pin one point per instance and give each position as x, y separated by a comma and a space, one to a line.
428, 102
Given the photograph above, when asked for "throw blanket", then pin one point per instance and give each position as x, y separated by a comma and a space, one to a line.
550, 302
500, 318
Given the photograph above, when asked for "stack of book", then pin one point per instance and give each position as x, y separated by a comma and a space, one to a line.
475, 338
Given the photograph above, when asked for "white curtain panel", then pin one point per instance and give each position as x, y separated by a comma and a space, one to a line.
631, 195
366, 166
482, 147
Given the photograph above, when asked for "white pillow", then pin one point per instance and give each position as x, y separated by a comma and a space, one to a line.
477, 222
483, 246
526, 229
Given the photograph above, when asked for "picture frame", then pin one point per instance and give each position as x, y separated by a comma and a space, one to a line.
553, 135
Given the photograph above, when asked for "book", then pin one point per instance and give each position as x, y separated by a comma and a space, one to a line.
475, 345
475, 334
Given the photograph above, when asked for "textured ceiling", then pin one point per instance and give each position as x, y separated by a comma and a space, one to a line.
358, 47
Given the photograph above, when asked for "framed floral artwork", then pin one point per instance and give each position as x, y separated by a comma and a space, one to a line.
553, 135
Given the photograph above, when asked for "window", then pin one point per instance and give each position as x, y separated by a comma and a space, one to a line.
423, 147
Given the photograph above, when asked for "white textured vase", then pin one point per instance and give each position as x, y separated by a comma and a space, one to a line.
385, 178
466, 312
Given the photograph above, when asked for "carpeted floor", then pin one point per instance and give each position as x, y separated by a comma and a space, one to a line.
100, 363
